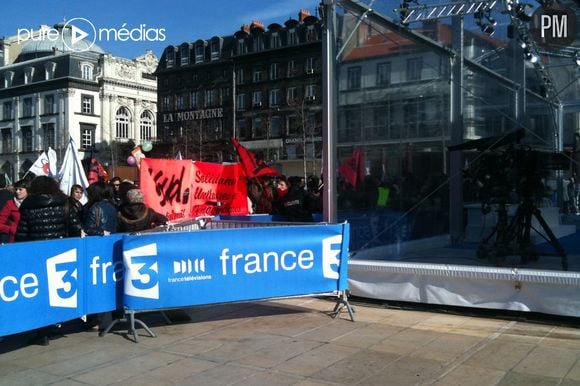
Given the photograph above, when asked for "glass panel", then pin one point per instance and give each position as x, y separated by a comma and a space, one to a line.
450, 164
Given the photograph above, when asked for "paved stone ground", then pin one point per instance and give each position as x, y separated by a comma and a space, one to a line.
296, 342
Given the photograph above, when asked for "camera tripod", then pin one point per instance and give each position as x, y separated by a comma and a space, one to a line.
513, 236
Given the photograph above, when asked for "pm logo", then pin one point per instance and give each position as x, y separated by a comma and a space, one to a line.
554, 27
62, 273
189, 266
141, 277
331, 247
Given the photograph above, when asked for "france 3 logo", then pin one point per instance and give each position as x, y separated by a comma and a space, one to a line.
62, 273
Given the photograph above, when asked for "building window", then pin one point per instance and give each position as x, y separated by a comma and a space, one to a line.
6, 141
310, 65
194, 99
210, 97
49, 104
184, 53
383, 74
26, 138
242, 48
48, 135
215, 50
257, 99
274, 71
240, 79
49, 70
258, 43
275, 40
276, 126
292, 37
275, 97
257, 128
28, 75
311, 34
180, 102
241, 102
87, 104
146, 129
122, 120
293, 125
87, 71
414, 68
7, 112
27, 109
353, 78
291, 151
241, 126
310, 92
292, 69
170, 57
291, 96
87, 136
166, 103
257, 78
199, 53
8, 78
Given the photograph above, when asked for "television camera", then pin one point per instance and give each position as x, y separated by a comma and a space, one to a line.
507, 172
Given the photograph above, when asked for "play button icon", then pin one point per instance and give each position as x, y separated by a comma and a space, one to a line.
78, 34
80, 40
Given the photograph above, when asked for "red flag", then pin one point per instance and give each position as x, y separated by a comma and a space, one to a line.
97, 172
253, 167
353, 168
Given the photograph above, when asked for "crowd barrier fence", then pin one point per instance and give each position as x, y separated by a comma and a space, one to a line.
193, 263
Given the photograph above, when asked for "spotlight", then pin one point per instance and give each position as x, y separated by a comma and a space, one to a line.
524, 12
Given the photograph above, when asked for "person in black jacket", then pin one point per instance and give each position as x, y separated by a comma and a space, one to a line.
46, 213
135, 216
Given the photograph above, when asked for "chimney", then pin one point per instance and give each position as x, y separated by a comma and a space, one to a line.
302, 15
256, 24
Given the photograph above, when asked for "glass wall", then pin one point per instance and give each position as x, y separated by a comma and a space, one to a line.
451, 161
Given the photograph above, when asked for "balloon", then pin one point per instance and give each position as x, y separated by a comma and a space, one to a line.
131, 160
147, 146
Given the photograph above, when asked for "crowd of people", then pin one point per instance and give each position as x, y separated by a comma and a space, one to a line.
37, 209
286, 198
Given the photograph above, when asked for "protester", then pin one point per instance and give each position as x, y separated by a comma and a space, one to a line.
46, 214
101, 217
291, 201
135, 216
116, 184
76, 194
10, 213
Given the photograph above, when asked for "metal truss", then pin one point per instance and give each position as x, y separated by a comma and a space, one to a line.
439, 11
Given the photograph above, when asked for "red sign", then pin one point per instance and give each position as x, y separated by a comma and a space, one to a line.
182, 189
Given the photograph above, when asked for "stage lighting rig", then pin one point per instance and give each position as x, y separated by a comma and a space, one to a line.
411, 11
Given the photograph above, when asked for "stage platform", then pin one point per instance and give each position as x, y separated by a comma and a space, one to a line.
431, 271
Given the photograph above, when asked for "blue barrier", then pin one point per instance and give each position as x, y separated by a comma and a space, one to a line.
47, 282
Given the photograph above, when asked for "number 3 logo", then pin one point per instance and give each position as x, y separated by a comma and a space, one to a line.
141, 279
62, 279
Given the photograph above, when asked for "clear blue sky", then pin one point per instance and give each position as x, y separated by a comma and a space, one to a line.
183, 21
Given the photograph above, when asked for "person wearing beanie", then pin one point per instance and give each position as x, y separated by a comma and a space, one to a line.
135, 216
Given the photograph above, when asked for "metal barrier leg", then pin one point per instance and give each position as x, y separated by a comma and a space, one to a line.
129, 318
341, 303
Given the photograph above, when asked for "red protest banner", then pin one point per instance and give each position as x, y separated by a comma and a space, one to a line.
184, 189
218, 189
